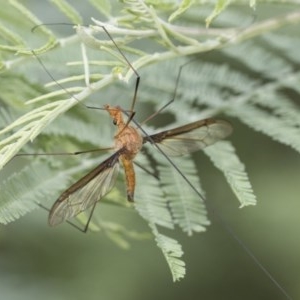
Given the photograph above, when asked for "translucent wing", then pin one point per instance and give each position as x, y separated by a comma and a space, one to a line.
86, 191
191, 137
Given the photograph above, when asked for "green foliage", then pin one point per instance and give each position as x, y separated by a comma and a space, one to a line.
188, 211
68, 11
224, 158
219, 7
253, 79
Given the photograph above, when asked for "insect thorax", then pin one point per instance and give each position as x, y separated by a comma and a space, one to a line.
131, 140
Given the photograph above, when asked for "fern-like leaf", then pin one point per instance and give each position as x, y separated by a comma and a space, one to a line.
19, 199
172, 251
151, 203
188, 210
224, 157
36, 183
153, 207
277, 128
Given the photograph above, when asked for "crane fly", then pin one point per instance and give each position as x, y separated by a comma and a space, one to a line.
128, 141
91, 188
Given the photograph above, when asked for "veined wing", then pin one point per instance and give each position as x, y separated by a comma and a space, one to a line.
86, 191
191, 137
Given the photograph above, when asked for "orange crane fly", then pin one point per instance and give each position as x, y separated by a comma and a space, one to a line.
91, 188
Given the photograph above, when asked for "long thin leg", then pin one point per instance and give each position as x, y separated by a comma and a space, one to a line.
174, 93
64, 153
154, 174
137, 82
90, 218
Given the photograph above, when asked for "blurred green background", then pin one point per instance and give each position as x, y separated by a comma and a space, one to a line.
38, 262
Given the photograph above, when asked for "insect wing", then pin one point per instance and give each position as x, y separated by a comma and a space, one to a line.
191, 137
86, 191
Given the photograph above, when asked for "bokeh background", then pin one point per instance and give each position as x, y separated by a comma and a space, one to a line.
38, 262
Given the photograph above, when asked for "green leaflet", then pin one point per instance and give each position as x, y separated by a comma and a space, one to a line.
153, 207
21, 192
224, 158
188, 209
68, 10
